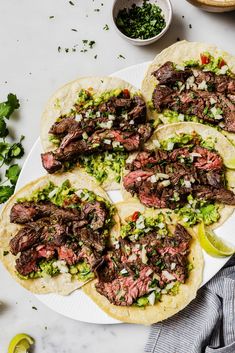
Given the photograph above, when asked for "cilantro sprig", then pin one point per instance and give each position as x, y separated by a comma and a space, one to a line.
9, 151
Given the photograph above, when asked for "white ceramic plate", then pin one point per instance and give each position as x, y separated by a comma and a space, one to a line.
77, 305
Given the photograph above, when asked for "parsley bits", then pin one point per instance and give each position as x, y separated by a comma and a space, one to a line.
142, 22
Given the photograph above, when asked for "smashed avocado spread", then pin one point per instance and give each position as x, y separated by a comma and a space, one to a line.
104, 165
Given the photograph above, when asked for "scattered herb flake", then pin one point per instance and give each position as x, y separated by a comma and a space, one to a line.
96, 10
120, 56
91, 43
50, 17
5, 253
74, 29
95, 57
106, 27
34, 308
71, 3
190, 26
59, 49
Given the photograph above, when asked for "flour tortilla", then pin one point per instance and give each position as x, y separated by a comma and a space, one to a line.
169, 305
63, 100
62, 284
179, 53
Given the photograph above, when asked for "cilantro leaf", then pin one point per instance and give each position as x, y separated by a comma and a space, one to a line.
3, 128
16, 150
8, 107
5, 192
12, 173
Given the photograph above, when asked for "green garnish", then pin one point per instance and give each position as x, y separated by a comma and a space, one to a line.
141, 22
106, 28
9, 151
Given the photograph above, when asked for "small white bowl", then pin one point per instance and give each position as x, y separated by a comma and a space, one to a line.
166, 7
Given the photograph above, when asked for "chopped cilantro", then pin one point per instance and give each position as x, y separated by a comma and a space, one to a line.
106, 28
120, 56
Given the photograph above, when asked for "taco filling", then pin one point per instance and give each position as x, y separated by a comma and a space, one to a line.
185, 174
110, 124
63, 230
201, 91
148, 260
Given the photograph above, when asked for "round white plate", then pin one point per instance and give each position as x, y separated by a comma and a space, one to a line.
77, 305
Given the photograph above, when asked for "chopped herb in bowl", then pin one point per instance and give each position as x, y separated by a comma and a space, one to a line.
141, 22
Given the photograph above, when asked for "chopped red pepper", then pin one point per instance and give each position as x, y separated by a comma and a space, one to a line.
135, 216
205, 59
222, 63
126, 93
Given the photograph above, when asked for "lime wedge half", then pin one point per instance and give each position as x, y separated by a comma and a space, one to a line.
20, 343
212, 244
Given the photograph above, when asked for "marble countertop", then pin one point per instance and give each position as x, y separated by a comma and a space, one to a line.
32, 67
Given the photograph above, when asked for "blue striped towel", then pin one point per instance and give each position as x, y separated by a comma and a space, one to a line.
206, 325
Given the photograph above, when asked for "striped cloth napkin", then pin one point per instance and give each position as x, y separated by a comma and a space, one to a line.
206, 325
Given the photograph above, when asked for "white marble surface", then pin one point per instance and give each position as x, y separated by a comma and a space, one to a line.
33, 68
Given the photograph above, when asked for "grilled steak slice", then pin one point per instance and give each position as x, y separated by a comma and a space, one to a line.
135, 178
128, 287
209, 160
27, 262
92, 240
64, 126
50, 163
162, 96
67, 254
167, 74
218, 194
25, 212
56, 234
181, 233
96, 213
24, 239
138, 113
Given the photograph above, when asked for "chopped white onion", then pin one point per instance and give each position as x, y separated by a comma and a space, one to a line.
173, 265
78, 117
212, 101
202, 85
144, 255
168, 275
162, 176
107, 142
151, 298
123, 271
156, 143
61, 265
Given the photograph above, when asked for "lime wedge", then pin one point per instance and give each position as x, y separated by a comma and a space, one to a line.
230, 163
212, 244
20, 343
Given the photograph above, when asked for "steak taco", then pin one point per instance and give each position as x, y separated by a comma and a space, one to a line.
94, 122
184, 168
193, 82
153, 270
54, 232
